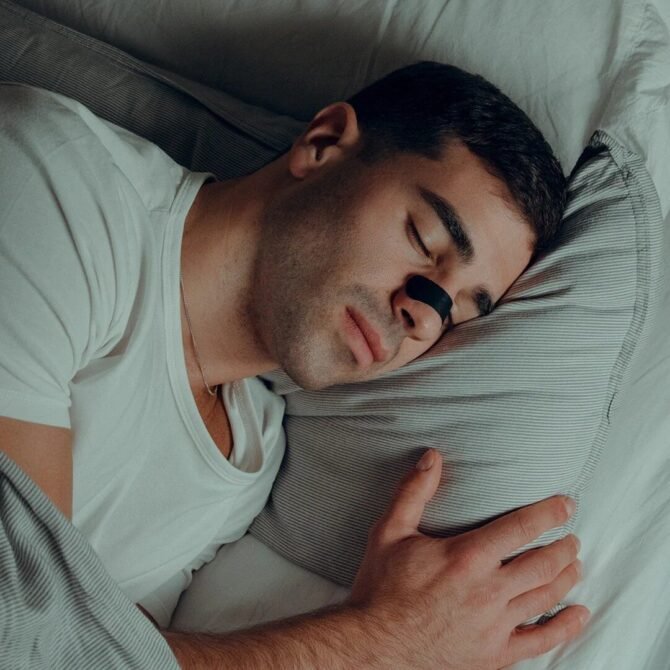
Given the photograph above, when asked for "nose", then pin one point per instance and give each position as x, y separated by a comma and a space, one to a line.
422, 306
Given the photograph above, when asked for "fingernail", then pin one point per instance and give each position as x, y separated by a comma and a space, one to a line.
426, 461
570, 505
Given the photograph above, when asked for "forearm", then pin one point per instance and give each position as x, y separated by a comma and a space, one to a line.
338, 638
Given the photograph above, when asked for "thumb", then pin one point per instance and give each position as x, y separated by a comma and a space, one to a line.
413, 493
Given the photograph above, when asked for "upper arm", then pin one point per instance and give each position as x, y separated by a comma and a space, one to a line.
58, 275
44, 453
56, 261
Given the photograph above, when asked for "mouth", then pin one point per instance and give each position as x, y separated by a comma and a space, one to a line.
364, 334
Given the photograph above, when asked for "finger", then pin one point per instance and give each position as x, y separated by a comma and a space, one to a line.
501, 537
540, 600
414, 491
538, 567
536, 639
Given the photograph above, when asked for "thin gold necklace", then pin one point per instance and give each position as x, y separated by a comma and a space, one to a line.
195, 348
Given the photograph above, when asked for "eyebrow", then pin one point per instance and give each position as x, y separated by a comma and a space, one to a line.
482, 298
453, 224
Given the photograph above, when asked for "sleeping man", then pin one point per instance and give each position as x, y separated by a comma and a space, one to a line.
140, 300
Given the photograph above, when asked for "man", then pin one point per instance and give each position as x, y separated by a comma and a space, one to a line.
147, 298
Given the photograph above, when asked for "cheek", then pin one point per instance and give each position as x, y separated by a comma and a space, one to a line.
409, 351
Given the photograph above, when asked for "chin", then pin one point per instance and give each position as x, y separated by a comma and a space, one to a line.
318, 368
308, 383
312, 383
306, 378
319, 377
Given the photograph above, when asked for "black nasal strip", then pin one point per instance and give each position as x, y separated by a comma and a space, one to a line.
427, 291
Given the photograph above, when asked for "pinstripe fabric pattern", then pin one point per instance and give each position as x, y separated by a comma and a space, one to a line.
125, 91
59, 608
518, 402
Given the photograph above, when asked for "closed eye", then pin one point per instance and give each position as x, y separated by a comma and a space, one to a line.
417, 238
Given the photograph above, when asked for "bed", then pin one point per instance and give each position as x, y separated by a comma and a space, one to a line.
263, 68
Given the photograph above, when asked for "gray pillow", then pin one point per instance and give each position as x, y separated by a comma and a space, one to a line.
200, 128
518, 402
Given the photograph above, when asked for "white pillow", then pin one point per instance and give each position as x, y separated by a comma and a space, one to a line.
564, 63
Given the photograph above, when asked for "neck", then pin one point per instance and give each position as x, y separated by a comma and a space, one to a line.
220, 239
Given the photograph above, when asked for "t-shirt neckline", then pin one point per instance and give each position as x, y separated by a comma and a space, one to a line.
171, 263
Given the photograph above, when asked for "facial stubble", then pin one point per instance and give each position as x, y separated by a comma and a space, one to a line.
301, 281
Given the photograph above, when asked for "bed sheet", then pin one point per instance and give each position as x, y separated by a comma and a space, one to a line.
572, 65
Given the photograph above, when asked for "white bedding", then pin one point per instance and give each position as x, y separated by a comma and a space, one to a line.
573, 66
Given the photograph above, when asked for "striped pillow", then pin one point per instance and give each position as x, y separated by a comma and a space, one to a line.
518, 401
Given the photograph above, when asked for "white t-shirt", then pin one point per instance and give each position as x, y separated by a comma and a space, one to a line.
91, 220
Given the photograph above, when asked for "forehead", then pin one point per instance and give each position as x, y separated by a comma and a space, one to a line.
459, 175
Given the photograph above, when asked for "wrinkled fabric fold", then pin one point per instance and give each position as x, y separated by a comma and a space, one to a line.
59, 609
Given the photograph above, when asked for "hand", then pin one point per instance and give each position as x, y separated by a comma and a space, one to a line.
450, 603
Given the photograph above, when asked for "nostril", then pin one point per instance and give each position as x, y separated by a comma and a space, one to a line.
408, 318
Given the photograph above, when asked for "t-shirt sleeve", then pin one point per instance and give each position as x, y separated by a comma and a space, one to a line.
162, 602
57, 266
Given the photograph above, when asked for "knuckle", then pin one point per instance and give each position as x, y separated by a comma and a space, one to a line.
406, 490
563, 551
526, 525
377, 530
576, 570
547, 598
546, 640
560, 510
571, 542
488, 595
576, 542
547, 636
483, 596
406, 496
570, 627
464, 556
545, 567
557, 631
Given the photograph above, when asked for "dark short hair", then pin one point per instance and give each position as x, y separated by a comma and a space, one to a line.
419, 108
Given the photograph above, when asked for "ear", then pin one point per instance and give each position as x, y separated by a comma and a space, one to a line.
332, 135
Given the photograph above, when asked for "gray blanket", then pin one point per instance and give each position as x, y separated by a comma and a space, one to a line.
58, 606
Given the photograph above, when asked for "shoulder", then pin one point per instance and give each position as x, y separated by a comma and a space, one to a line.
44, 138
39, 117
37, 124
69, 256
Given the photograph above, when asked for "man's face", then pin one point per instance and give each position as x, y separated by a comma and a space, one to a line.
339, 247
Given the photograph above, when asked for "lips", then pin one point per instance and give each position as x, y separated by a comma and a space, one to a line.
370, 334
